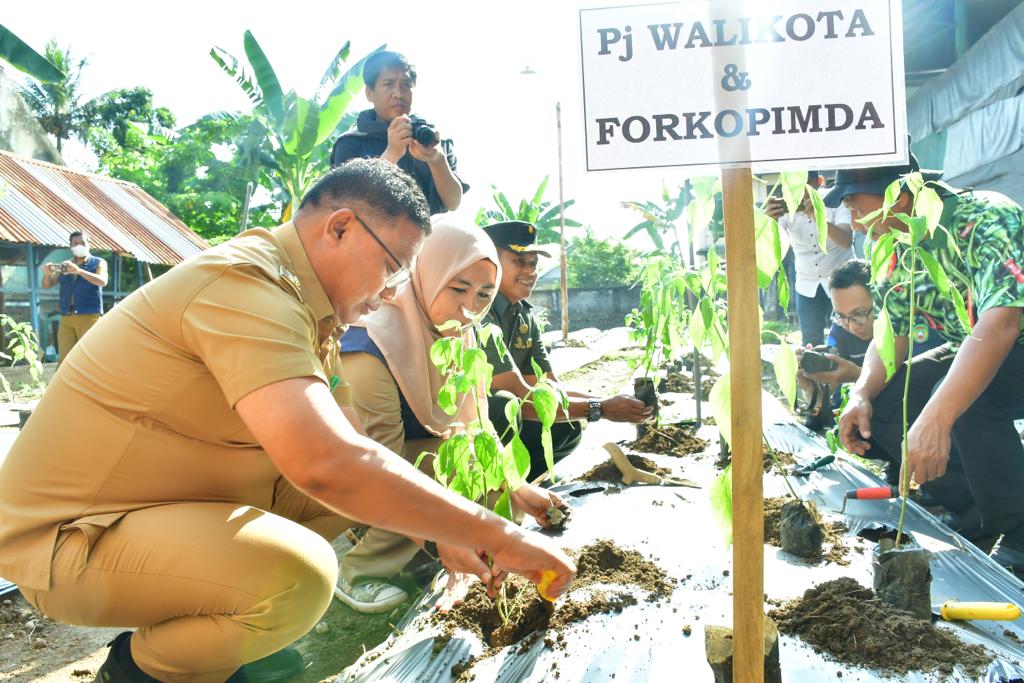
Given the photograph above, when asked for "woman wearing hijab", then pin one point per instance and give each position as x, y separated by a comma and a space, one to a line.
394, 387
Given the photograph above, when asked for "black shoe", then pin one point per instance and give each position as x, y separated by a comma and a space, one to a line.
115, 670
275, 668
1009, 553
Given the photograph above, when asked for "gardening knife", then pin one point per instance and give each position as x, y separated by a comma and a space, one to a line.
816, 465
954, 610
870, 493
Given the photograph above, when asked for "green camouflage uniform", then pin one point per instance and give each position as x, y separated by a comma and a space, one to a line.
988, 229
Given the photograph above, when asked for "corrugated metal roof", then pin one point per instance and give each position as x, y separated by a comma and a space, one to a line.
41, 203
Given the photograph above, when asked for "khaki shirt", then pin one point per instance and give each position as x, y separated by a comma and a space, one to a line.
142, 411
521, 333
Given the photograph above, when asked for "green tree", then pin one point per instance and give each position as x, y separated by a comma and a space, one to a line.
295, 127
593, 262
537, 211
18, 54
125, 117
57, 104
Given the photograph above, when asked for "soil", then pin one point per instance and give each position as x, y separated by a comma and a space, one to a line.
672, 439
607, 471
679, 382
834, 548
785, 459
601, 562
847, 621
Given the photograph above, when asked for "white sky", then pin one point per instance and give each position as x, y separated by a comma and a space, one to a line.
468, 54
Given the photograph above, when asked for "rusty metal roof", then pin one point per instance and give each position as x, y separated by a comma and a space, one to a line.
41, 203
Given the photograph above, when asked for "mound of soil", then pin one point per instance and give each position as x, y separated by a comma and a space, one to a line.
673, 439
601, 562
846, 620
834, 549
784, 458
607, 471
679, 382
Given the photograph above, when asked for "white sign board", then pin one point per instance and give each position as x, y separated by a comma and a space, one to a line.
787, 84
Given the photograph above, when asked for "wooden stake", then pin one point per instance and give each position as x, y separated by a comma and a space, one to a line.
745, 393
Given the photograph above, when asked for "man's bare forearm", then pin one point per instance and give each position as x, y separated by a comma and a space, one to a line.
449, 189
872, 374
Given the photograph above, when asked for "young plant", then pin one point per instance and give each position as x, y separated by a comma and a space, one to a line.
898, 254
473, 462
23, 347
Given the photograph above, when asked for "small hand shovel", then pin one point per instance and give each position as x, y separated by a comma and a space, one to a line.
870, 493
816, 465
634, 475
954, 610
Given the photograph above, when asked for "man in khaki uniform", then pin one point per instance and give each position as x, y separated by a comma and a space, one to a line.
188, 461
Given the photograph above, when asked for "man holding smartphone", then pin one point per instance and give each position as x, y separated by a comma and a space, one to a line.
82, 279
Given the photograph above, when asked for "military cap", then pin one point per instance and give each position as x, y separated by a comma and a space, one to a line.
517, 236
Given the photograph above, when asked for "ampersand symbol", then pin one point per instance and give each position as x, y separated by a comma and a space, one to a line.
734, 79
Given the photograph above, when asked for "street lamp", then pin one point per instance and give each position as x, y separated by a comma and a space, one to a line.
527, 71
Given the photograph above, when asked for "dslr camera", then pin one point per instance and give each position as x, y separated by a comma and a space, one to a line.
814, 360
423, 132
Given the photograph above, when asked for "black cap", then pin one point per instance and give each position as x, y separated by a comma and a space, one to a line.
871, 180
517, 236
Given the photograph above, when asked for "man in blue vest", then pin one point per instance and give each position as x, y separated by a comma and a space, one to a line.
81, 279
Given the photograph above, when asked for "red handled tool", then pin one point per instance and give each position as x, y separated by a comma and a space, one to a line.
870, 493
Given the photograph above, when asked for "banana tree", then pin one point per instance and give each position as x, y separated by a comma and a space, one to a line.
537, 211
18, 54
296, 127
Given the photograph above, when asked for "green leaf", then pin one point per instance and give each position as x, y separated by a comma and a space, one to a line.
785, 372
929, 205
333, 109
420, 457
881, 257
961, 310
721, 406
447, 398
503, 508
18, 54
229, 65
820, 218
545, 403
918, 229
766, 248
538, 372
721, 502
784, 291
265, 77
892, 194
538, 196
475, 365
512, 410
698, 330
488, 457
935, 270
520, 456
549, 450
885, 342
794, 185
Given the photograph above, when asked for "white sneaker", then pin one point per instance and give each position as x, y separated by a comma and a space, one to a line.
370, 597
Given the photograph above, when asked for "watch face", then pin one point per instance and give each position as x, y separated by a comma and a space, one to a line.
594, 411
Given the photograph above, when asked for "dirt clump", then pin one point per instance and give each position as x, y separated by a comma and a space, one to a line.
847, 621
607, 471
601, 562
672, 439
682, 383
834, 548
785, 459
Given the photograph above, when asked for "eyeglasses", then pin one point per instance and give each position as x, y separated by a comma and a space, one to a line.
853, 319
400, 276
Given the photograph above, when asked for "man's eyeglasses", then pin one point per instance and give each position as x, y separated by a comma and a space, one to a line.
858, 318
400, 276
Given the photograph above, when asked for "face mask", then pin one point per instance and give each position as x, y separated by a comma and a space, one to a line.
80, 251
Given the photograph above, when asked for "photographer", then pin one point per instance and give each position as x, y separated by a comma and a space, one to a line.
82, 279
390, 131
813, 265
824, 369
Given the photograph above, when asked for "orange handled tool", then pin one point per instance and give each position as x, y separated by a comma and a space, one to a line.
870, 493
546, 577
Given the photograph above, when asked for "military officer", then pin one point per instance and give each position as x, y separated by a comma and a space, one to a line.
189, 462
514, 372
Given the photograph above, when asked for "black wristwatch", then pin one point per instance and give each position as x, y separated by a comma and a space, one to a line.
594, 411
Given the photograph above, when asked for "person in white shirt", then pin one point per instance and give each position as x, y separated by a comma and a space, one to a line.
813, 266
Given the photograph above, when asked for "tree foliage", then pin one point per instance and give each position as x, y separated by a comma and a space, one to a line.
57, 104
535, 210
593, 262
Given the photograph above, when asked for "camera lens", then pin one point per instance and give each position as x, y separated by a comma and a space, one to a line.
424, 133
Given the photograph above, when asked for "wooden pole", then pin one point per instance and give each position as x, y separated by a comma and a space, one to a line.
561, 232
745, 393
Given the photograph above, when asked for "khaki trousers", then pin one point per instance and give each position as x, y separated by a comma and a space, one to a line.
382, 554
72, 328
209, 586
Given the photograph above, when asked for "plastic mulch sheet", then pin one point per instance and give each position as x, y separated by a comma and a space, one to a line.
676, 528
